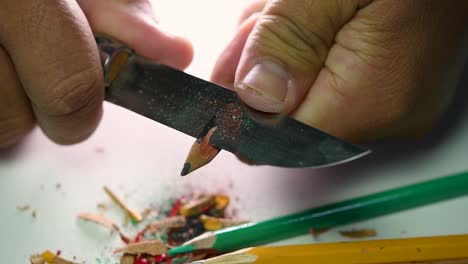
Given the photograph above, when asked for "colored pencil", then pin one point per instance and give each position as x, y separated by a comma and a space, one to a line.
201, 153
440, 249
332, 215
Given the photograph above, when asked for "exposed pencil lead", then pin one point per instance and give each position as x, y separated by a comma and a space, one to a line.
201, 153
186, 169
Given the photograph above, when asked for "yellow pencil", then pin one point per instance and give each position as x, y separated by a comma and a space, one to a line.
441, 250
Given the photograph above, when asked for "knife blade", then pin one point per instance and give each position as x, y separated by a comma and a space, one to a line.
195, 106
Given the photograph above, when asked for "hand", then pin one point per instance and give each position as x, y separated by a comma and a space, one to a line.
359, 69
50, 67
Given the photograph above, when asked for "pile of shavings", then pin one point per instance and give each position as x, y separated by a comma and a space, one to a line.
186, 218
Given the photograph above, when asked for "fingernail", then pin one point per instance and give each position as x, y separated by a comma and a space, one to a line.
265, 87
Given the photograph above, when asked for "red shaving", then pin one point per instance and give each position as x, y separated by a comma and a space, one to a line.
124, 238
206, 209
139, 236
176, 207
141, 260
159, 258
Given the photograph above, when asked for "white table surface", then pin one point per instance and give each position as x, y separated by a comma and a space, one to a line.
142, 159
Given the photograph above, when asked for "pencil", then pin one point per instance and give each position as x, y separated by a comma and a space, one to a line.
324, 217
440, 249
201, 153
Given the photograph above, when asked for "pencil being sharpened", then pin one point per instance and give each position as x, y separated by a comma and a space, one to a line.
194, 107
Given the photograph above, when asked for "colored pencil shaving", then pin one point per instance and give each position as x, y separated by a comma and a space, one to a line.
440, 249
221, 202
48, 257
100, 220
136, 216
23, 208
197, 205
150, 245
215, 223
153, 248
127, 259
170, 222
359, 233
201, 153
332, 215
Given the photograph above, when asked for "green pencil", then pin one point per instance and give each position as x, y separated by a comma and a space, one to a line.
328, 216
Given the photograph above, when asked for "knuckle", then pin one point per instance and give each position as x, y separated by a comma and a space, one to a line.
12, 129
73, 92
254, 7
290, 40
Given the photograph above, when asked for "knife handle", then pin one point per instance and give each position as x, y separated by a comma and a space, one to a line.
114, 56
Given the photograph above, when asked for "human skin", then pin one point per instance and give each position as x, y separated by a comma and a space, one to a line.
51, 73
362, 70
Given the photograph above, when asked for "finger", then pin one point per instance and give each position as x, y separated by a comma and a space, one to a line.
58, 64
16, 117
388, 73
253, 8
286, 50
226, 65
133, 23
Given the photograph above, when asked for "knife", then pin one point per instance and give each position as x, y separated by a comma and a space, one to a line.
214, 115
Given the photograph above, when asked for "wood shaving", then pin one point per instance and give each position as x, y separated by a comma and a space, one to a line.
100, 220
23, 208
136, 216
359, 233
151, 247
49, 258
126, 220
148, 212
214, 223
195, 206
221, 202
170, 222
318, 232
37, 259
102, 206
127, 259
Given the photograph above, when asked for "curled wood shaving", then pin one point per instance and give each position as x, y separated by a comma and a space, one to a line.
170, 222
359, 233
36, 259
136, 216
195, 206
100, 220
152, 247
221, 202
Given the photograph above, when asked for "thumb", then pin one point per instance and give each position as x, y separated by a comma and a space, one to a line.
286, 50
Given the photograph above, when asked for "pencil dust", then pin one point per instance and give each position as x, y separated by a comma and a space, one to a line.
182, 219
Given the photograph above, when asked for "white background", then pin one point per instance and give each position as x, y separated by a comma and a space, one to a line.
142, 159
